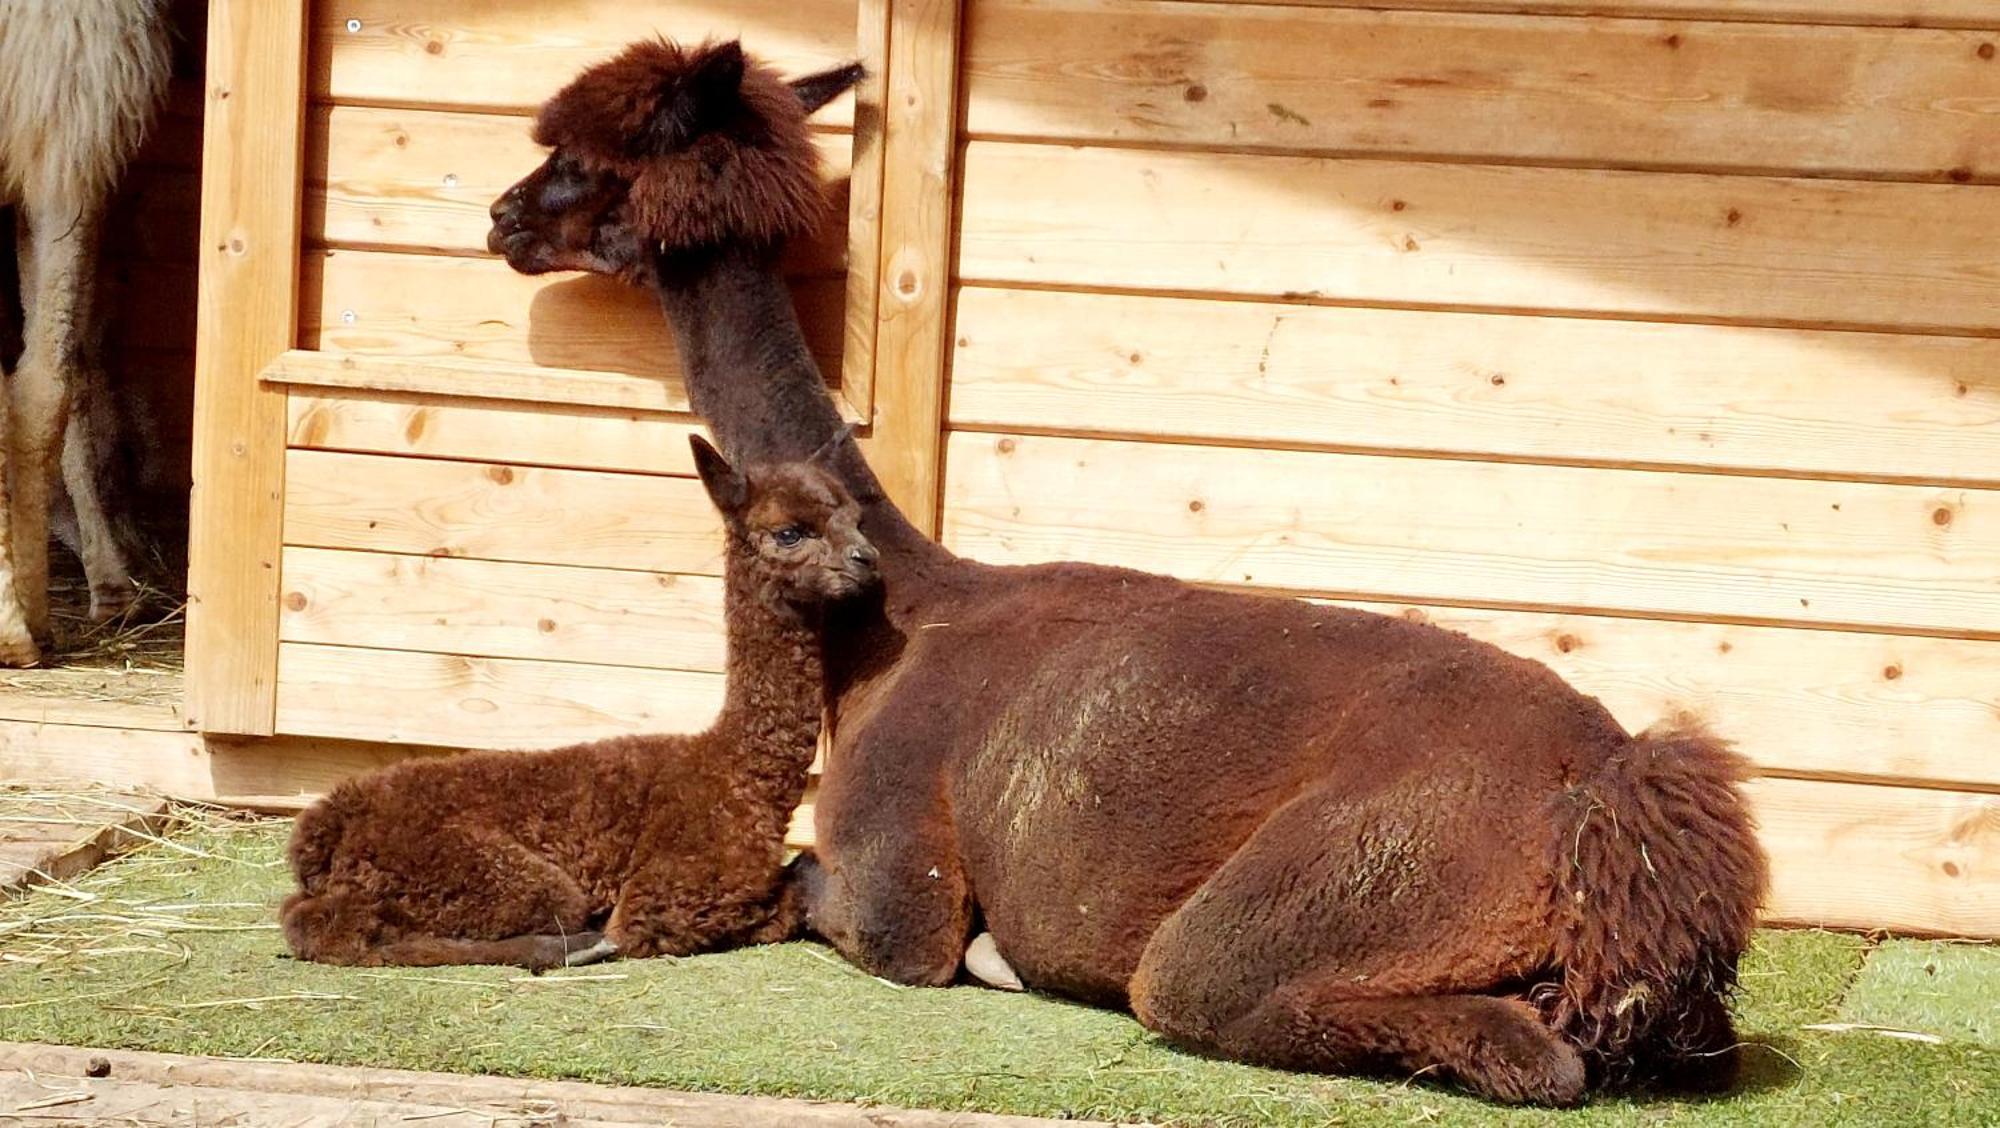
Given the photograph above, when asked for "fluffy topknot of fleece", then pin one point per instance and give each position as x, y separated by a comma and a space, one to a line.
713, 144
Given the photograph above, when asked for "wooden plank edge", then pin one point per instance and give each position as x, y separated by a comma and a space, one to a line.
1783, 12
213, 1082
505, 381
125, 829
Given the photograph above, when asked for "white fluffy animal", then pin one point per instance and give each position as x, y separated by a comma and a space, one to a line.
80, 83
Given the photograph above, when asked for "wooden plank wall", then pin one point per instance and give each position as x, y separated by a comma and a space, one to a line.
1665, 351
461, 566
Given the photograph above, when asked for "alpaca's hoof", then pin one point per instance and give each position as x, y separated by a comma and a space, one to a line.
20, 651
583, 957
984, 962
112, 600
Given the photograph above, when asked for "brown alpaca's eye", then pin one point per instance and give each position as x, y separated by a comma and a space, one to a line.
789, 535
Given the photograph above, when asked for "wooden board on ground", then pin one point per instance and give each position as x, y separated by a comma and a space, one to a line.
457, 701
501, 55
420, 307
152, 1090
1750, 249
1563, 389
1494, 533
48, 836
493, 511
1915, 104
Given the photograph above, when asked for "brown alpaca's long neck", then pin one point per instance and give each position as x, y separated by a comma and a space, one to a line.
752, 378
771, 714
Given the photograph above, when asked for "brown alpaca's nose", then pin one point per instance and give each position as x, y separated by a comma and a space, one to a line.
862, 555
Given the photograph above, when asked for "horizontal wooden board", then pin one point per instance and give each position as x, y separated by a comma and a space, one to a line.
407, 179
492, 511
492, 431
1785, 251
56, 755
1783, 400
1859, 13
1899, 858
1845, 704
499, 54
451, 378
464, 702
1444, 530
499, 610
1621, 93
414, 306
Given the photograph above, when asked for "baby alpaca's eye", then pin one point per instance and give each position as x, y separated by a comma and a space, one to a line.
789, 535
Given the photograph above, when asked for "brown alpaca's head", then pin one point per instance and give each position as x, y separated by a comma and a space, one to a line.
792, 523
666, 149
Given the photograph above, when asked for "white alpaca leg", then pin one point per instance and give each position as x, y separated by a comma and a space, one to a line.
111, 588
57, 252
17, 644
984, 962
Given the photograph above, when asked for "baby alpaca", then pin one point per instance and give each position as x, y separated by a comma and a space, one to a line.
519, 857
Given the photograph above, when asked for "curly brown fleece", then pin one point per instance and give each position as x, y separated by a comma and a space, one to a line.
517, 857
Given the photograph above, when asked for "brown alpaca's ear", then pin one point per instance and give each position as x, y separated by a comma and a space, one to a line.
729, 490
816, 90
828, 450
692, 101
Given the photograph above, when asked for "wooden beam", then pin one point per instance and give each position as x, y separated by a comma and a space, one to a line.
1824, 101
247, 315
918, 187
864, 208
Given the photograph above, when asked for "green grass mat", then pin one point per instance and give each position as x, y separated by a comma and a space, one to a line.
174, 948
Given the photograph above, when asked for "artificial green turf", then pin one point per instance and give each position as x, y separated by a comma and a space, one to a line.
168, 950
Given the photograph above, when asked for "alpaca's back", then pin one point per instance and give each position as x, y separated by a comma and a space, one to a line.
79, 83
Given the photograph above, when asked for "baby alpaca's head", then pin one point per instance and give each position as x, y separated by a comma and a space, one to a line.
794, 522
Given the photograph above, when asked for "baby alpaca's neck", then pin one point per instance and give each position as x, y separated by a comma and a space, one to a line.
772, 711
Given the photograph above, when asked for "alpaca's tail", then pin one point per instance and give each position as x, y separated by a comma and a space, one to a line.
1659, 876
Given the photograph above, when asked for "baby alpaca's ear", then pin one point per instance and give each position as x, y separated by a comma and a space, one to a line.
729, 490
830, 449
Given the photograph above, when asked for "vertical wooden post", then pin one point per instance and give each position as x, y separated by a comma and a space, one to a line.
920, 144
864, 211
248, 310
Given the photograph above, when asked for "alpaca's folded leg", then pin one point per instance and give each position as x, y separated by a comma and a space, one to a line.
533, 953
583, 957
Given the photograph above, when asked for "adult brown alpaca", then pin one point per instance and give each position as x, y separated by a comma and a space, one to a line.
517, 857
1292, 835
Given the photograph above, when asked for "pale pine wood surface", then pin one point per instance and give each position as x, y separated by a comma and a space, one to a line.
492, 430
1860, 13
440, 380
1398, 232
510, 56
1537, 388
864, 205
1898, 858
919, 167
492, 511
503, 610
246, 312
461, 701
1918, 104
1698, 545
423, 306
